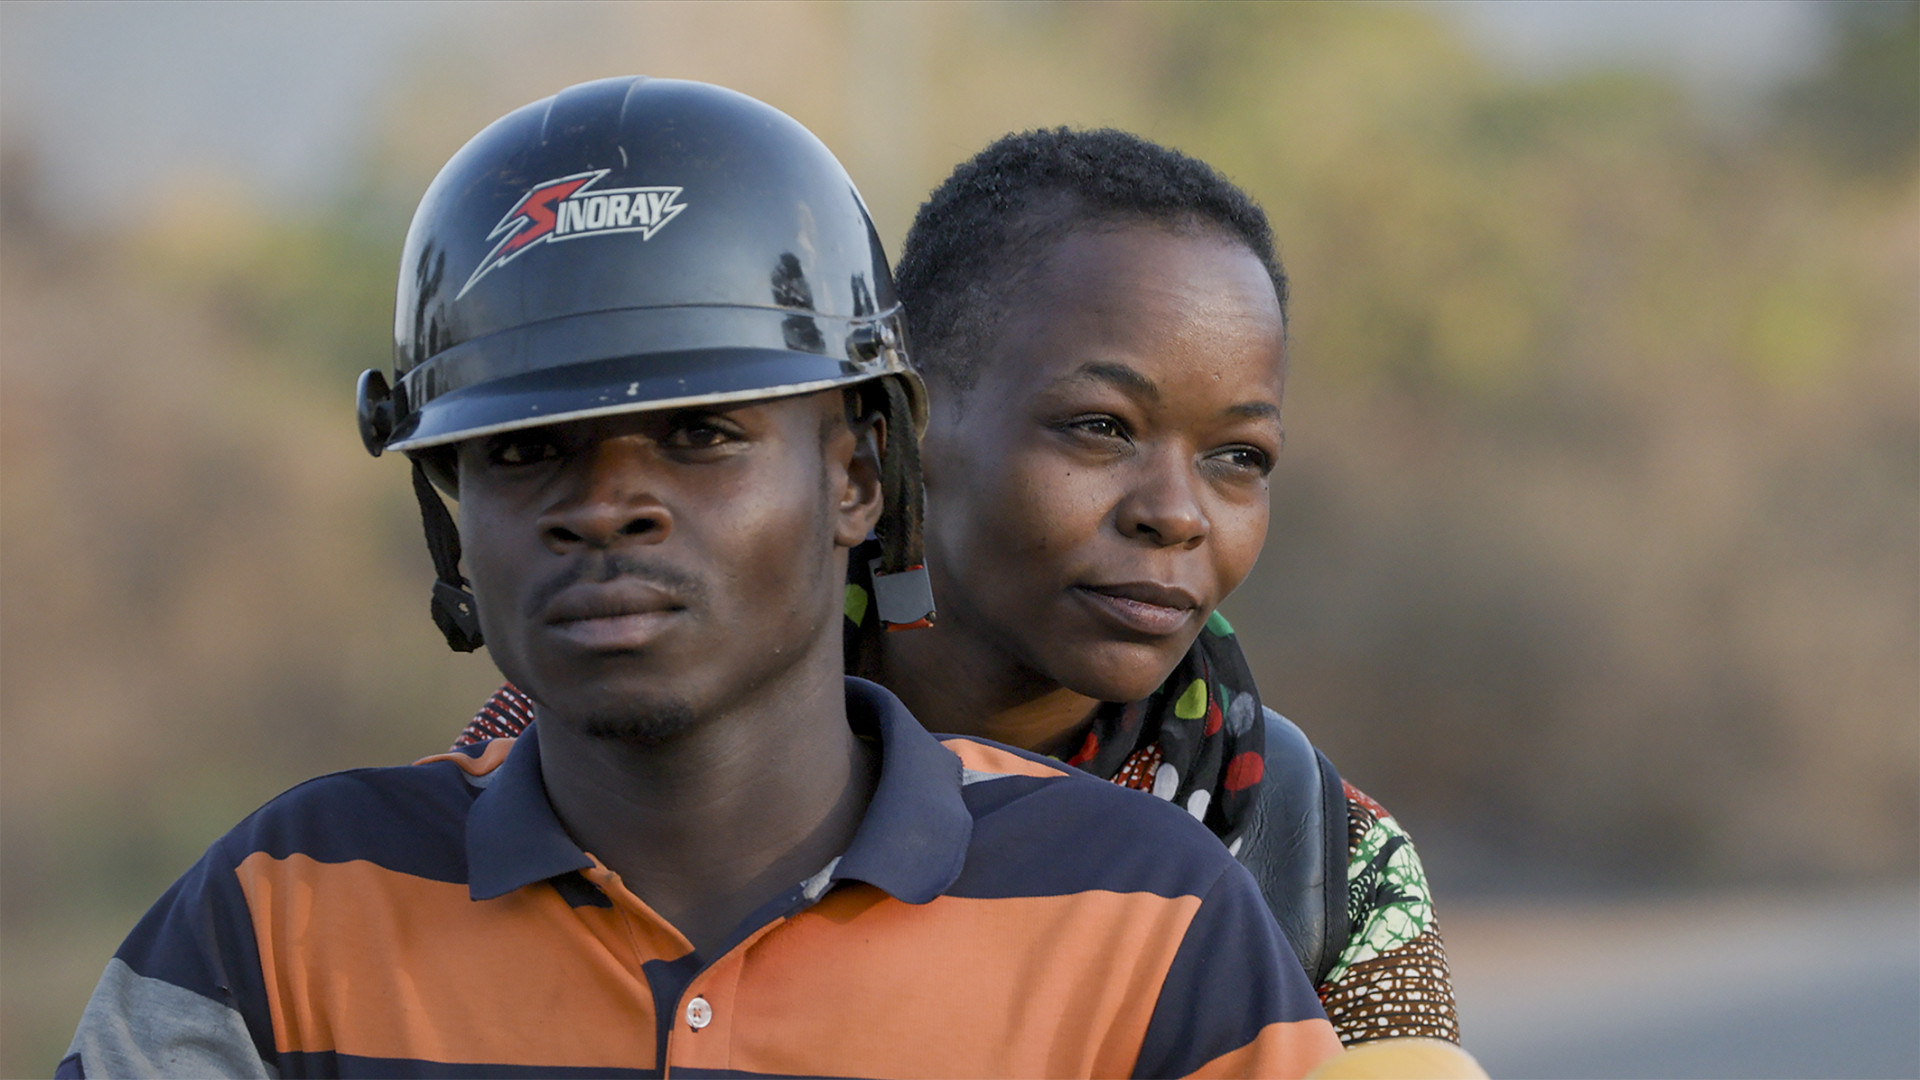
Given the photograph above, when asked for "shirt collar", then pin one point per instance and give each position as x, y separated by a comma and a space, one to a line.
513, 836
914, 839
912, 842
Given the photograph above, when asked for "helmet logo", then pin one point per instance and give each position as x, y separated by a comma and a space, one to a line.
566, 209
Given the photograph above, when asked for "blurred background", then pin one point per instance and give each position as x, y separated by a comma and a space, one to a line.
1595, 549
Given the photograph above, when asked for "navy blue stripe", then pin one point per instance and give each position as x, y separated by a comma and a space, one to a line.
410, 820
668, 979
329, 1063
1233, 976
199, 936
1056, 837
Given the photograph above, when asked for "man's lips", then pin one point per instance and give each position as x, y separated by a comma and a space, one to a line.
620, 614
1144, 607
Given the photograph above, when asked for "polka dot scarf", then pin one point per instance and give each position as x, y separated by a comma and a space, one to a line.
1197, 741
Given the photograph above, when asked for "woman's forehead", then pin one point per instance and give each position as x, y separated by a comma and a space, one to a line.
1145, 298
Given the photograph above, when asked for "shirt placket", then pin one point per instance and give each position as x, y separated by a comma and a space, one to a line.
703, 1024
635, 932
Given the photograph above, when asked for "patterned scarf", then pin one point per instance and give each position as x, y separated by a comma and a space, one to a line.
1197, 741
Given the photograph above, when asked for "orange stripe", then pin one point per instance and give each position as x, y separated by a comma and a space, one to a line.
363, 960
1280, 1050
489, 759
861, 985
992, 759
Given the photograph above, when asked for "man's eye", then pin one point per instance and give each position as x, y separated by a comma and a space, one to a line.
509, 451
700, 433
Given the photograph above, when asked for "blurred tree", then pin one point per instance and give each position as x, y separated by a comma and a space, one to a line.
314, 292
1862, 105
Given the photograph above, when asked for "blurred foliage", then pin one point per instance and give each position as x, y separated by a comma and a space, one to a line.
313, 293
1862, 106
1593, 550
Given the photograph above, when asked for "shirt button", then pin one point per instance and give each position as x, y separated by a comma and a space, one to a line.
699, 1013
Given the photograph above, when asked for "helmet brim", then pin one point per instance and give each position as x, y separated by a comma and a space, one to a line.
644, 383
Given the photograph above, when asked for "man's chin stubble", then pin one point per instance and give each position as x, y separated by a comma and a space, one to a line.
651, 725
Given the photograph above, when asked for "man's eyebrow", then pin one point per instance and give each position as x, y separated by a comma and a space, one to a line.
1120, 376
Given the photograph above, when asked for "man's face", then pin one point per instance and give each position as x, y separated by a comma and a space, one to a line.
637, 572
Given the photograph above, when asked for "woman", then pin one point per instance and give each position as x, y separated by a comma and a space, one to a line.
1101, 323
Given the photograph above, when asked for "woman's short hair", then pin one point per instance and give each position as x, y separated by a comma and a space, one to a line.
980, 233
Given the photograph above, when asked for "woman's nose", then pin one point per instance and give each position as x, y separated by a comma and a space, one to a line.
1164, 506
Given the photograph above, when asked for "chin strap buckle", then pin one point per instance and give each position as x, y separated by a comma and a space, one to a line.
903, 600
455, 615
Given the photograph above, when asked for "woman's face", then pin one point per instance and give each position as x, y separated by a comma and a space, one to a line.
1103, 484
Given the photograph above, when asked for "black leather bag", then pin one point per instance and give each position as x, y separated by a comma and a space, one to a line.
1295, 845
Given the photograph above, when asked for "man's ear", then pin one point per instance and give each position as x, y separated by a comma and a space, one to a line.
861, 496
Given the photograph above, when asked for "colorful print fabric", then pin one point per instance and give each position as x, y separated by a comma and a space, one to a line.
1392, 981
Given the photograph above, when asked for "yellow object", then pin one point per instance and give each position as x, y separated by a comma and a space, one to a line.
1401, 1059
1192, 703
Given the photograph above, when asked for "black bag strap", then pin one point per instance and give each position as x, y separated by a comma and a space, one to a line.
1295, 845
1333, 793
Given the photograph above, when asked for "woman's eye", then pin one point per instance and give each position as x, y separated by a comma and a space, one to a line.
1250, 458
1105, 427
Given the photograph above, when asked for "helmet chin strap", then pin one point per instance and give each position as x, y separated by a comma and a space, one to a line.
453, 607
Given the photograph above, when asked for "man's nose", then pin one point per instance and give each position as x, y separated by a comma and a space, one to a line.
1164, 506
611, 497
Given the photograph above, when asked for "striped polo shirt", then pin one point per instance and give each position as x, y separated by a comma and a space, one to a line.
996, 914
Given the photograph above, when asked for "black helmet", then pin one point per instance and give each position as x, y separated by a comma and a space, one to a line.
633, 244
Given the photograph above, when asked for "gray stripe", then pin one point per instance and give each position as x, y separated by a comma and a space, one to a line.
817, 884
137, 1026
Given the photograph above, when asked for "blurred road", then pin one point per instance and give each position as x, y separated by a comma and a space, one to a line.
1733, 985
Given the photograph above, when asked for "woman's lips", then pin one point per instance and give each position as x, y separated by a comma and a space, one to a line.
1142, 607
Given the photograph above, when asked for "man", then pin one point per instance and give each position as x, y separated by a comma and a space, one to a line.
647, 338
